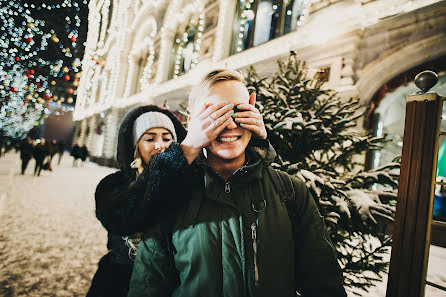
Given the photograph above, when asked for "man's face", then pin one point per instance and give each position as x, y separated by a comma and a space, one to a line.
231, 143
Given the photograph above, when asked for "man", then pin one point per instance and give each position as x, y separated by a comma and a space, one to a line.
233, 235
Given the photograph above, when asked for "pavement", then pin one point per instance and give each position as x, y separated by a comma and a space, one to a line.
51, 241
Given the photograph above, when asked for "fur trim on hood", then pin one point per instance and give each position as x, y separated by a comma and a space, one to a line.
126, 148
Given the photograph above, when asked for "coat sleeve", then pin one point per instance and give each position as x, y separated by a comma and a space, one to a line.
169, 184
116, 201
318, 273
154, 273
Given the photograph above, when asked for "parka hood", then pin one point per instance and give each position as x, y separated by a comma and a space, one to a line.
264, 149
126, 149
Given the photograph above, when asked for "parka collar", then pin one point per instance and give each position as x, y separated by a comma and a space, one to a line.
260, 154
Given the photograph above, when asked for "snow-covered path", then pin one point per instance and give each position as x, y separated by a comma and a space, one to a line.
50, 239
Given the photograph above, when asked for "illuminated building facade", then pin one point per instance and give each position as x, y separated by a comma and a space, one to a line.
152, 51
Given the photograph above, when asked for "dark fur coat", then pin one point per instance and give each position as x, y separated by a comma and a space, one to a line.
126, 205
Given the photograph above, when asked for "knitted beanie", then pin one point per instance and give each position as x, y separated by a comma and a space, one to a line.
149, 120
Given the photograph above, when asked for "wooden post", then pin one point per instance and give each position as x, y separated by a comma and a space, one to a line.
411, 236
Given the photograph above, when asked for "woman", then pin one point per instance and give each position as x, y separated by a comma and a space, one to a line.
124, 202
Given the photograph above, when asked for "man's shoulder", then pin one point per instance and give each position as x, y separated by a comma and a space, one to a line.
283, 180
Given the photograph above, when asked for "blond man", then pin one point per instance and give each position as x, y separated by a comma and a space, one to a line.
233, 235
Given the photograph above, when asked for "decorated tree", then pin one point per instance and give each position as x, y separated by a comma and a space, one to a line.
39, 60
317, 138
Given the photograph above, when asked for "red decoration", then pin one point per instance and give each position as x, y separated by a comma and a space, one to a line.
32, 71
29, 39
97, 63
17, 59
70, 91
47, 96
14, 89
66, 77
28, 75
73, 38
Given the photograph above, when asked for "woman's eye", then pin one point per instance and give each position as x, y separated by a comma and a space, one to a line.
150, 140
167, 139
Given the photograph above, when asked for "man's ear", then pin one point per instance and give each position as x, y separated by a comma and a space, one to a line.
252, 99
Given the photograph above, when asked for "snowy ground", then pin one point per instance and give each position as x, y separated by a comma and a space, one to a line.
51, 241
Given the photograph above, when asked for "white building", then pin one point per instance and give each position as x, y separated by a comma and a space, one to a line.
152, 51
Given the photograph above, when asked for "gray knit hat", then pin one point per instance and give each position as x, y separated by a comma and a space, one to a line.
149, 120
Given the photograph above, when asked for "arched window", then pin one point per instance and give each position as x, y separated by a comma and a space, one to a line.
258, 21
185, 49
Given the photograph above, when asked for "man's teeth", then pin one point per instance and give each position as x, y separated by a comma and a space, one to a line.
227, 139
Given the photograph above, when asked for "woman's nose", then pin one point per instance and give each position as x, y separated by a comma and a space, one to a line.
160, 146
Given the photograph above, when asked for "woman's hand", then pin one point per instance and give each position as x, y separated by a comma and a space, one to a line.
205, 127
249, 118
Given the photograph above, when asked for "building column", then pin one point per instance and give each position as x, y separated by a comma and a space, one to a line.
82, 135
162, 72
223, 35
111, 134
76, 133
89, 140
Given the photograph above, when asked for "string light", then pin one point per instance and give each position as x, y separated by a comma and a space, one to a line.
27, 69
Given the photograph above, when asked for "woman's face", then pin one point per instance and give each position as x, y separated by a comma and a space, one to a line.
154, 141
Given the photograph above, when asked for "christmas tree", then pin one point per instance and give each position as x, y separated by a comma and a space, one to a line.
37, 68
316, 137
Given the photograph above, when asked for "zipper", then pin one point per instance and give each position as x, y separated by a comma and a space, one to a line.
254, 247
227, 188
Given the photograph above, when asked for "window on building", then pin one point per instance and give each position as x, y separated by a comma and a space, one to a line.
258, 21
185, 50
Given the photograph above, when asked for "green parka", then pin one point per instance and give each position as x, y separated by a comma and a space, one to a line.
235, 239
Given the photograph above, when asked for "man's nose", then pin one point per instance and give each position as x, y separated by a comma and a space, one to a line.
232, 124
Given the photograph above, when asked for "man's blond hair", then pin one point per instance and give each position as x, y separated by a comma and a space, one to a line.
202, 89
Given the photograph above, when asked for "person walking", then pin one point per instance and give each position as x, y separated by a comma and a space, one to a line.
26, 152
83, 153
75, 153
234, 235
40, 151
124, 204
60, 150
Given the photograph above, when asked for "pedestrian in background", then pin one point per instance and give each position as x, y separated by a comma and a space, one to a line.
40, 151
60, 149
75, 153
83, 153
124, 201
52, 148
26, 152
